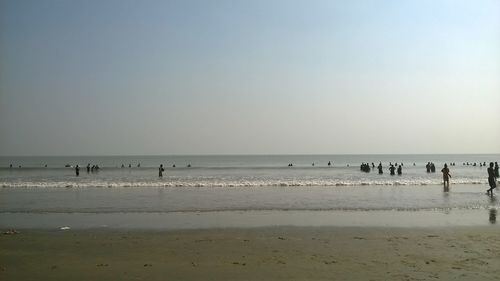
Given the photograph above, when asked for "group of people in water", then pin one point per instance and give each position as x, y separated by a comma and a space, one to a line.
493, 170
90, 169
365, 167
130, 165
493, 175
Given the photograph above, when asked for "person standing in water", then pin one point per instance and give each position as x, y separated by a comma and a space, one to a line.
400, 170
160, 171
391, 169
446, 178
496, 171
379, 167
77, 170
491, 179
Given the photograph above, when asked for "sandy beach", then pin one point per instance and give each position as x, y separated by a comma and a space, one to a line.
271, 253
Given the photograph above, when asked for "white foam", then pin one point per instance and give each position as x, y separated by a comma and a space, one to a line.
200, 183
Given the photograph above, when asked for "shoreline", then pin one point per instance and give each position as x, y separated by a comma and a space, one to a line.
154, 221
266, 253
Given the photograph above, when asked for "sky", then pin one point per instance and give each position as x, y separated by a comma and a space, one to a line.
249, 77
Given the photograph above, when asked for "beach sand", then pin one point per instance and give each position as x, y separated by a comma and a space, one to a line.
270, 253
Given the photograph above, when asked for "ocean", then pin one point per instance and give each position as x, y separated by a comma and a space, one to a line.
38, 187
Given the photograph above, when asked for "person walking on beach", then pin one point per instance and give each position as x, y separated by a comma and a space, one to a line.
446, 177
491, 179
77, 170
160, 171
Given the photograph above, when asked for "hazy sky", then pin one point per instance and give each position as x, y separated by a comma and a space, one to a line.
259, 76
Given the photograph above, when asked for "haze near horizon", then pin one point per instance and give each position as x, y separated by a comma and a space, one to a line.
249, 77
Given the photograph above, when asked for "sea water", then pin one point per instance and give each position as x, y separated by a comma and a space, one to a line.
33, 193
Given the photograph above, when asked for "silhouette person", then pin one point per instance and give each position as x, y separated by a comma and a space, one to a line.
160, 171
491, 179
496, 170
88, 168
391, 169
446, 177
400, 170
379, 167
77, 170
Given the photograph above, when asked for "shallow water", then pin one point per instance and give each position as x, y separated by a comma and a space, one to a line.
236, 170
226, 191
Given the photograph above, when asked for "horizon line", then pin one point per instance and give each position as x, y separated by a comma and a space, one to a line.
247, 154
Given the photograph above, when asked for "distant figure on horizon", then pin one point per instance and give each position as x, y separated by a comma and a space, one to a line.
77, 170
130, 165
446, 178
400, 170
391, 169
160, 171
173, 166
88, 168
189, 165
138, 165
313, 164
123, 166
373, 165
491, 179
10, 166
379, 167
329, 163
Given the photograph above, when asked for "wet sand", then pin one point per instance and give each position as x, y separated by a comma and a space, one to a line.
270, 253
